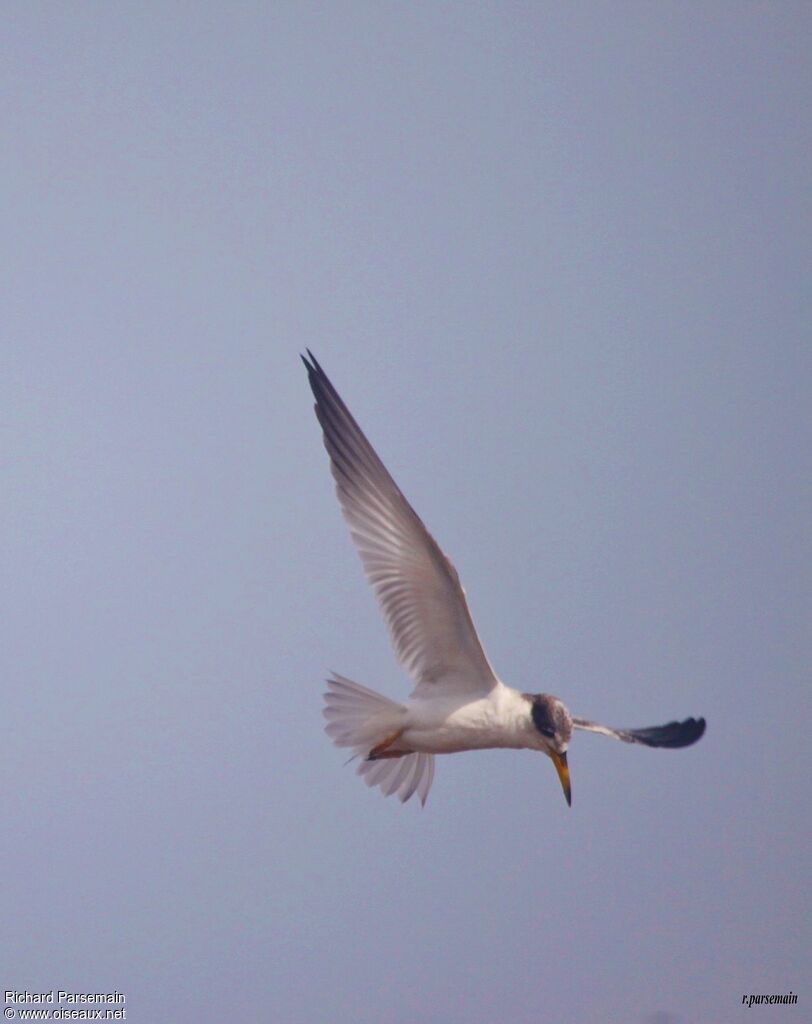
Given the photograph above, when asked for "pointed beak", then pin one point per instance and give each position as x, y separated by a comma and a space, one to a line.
560, 762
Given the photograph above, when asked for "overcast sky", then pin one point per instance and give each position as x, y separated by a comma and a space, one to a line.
556, 259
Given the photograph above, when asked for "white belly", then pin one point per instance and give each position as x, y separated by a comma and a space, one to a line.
445, 727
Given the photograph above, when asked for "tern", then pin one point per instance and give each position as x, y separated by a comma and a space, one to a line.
458, 702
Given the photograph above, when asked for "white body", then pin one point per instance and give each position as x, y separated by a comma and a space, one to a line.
443, 721
449, 724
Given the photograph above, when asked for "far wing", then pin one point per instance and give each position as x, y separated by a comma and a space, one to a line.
673, 735
417, 587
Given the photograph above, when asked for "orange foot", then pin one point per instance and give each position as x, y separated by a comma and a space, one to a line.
381, 750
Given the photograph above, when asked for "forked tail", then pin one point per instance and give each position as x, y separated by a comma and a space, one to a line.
360, 719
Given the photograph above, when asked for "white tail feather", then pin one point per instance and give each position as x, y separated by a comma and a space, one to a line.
360, 718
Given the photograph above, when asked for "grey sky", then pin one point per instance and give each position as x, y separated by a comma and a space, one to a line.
556, 259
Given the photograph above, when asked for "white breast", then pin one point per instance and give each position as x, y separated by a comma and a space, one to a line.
446, 725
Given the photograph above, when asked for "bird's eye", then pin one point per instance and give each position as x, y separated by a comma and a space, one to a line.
547, 731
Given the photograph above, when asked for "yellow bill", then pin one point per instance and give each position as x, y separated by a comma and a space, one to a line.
560, 762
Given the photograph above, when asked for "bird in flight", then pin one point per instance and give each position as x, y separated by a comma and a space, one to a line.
458, 702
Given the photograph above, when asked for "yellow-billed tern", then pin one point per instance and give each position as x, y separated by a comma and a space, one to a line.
458, 702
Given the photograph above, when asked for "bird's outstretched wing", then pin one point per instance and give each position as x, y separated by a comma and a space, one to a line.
417, 587
672, 735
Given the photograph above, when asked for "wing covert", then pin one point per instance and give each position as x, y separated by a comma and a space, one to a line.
417, 587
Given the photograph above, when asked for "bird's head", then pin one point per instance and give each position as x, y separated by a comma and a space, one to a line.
552, 728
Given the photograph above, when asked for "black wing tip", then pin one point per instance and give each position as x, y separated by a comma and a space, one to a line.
672, 736
319, 381
311, 363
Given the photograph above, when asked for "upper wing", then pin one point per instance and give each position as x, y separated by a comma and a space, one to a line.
673, 735
417, 586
